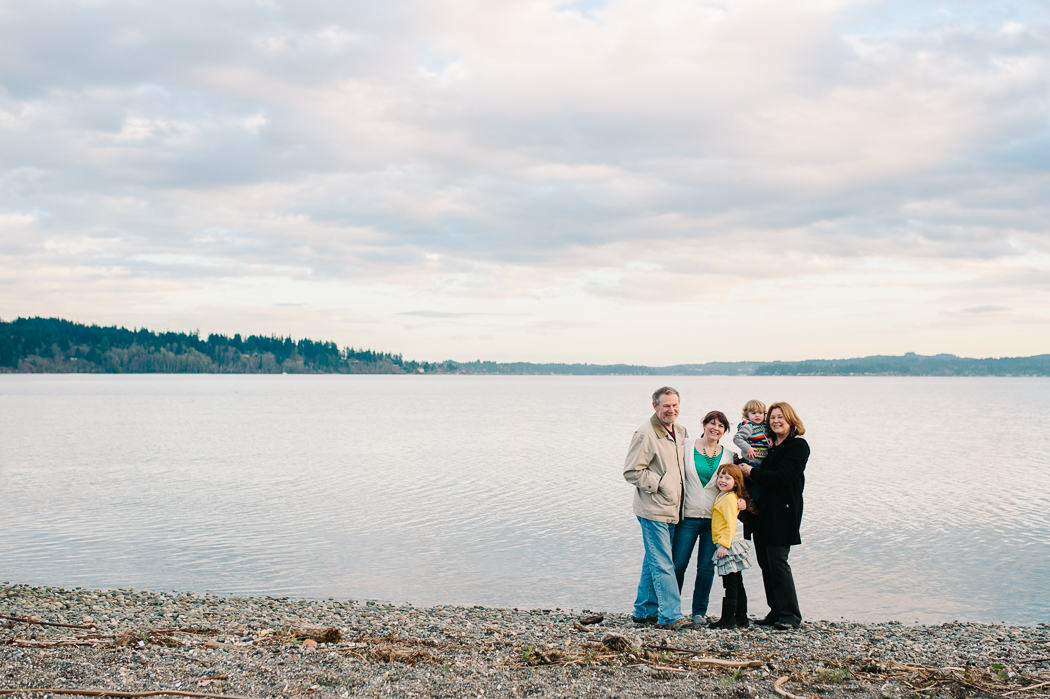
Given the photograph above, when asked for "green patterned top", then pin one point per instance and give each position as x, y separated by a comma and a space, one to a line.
706, 465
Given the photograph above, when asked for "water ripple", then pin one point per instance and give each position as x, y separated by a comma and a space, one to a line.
924, 500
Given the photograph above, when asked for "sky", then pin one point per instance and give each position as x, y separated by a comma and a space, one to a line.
643, 181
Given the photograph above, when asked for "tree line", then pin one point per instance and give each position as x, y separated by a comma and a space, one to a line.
56, 345
912, 364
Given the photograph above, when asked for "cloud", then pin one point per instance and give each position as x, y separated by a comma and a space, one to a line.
541, 152
445, 314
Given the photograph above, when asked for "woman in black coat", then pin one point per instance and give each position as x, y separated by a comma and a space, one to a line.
776, 527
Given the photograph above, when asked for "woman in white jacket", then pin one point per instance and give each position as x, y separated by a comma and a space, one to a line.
702, 458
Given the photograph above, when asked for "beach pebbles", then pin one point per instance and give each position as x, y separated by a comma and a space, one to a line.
141, 641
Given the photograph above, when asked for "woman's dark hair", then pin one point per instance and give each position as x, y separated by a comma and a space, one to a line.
717, 416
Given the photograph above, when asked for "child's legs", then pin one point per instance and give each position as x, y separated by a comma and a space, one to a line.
741, 599
732, 584
754, 489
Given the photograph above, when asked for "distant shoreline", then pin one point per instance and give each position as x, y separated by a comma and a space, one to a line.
56, 346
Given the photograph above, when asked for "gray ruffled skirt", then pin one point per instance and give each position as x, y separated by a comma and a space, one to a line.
736, 560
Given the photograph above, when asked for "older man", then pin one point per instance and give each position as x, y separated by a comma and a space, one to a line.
655, 466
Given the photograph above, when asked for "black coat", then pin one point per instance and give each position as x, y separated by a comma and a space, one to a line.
782, 478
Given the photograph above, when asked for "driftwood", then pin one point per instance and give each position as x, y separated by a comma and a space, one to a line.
315, 632
211, 678
727, 663
27, 620
708, 661
33, 643
1025, 689
661, 668
778, 687
115, 693
691, 651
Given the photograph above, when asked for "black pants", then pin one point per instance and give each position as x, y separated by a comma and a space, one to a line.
778, 582
734, 604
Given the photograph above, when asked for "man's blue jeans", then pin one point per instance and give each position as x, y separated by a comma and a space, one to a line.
686, 534
658, 593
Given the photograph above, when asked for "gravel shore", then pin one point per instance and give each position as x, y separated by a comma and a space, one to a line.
146, 641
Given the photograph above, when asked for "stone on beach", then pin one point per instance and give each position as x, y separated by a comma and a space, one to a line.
180, 639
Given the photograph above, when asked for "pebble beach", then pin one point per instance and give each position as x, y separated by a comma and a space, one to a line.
125, 642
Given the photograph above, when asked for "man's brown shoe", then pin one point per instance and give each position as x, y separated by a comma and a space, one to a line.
682, 624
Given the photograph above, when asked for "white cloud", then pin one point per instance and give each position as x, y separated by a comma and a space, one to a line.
586, 165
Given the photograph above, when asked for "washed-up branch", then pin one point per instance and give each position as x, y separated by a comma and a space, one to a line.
707, 661
115, 693
935, 677
778, 687
26, 620
691, 651
664, 668
34, 643
727, 663
1028, 688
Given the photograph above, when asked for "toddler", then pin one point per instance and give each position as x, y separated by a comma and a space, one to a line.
753, 437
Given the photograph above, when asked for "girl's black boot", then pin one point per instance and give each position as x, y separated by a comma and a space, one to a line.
742, 621
728, 619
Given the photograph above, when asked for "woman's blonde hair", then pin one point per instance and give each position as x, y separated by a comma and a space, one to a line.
797, 428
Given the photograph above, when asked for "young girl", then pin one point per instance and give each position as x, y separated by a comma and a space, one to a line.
731, 557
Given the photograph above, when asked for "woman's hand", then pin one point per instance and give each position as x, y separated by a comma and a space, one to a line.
745, 468
722, 551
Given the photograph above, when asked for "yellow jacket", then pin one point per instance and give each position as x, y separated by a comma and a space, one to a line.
723, 519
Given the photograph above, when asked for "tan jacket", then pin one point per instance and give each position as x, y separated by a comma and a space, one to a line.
655, 468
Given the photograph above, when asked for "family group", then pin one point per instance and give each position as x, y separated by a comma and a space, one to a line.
696, 493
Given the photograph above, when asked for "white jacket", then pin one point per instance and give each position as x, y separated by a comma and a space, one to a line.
699, 499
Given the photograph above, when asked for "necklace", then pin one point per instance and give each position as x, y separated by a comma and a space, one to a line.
711, 460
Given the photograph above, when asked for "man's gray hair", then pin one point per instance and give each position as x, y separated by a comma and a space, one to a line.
664, 390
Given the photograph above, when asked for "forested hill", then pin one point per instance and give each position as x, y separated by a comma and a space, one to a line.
55, 345
911, 364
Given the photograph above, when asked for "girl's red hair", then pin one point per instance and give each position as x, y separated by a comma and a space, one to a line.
738, 479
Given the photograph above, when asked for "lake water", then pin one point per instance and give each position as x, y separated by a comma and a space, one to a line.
927, 499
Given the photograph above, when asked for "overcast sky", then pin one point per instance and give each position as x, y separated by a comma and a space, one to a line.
647, 181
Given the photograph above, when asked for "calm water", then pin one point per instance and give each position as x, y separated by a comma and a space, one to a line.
927, 499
